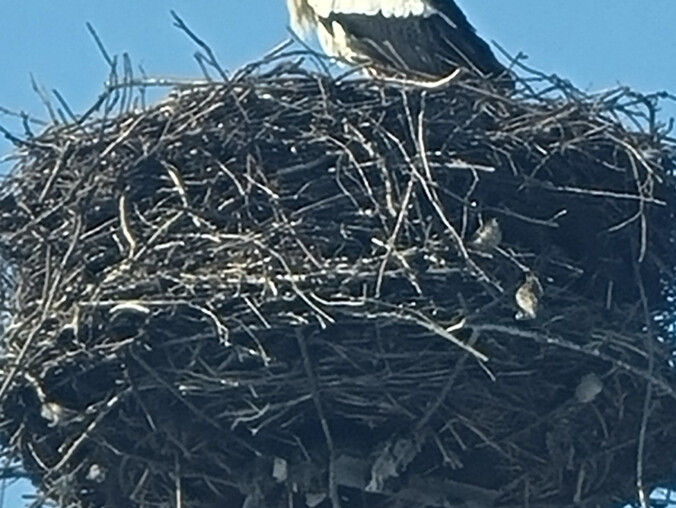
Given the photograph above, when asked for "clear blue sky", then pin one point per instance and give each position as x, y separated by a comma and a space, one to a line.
594, 43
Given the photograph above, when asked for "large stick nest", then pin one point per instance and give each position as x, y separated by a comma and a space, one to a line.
271, 292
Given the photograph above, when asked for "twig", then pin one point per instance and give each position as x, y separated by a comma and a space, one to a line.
314, 387
210, 56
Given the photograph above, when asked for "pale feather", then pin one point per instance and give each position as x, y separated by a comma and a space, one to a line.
388, 8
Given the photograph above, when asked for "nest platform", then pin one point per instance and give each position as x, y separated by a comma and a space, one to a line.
290, 290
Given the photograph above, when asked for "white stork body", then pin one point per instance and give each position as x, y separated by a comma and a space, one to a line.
420, 38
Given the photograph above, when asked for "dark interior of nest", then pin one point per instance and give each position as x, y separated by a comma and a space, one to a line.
288, 290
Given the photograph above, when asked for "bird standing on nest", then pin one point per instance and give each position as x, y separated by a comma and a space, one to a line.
426, 40
528, 297
488, 236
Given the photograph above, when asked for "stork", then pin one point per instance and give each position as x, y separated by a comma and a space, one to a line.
425, 39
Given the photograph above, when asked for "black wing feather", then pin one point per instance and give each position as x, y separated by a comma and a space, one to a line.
463, 40
432, 46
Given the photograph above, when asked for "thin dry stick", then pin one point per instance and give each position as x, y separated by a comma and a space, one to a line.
314, 387
210, 56
643, 494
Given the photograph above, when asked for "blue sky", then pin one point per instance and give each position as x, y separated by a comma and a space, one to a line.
594, 43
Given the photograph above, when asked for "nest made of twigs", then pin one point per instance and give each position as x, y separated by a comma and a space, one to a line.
292, 290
